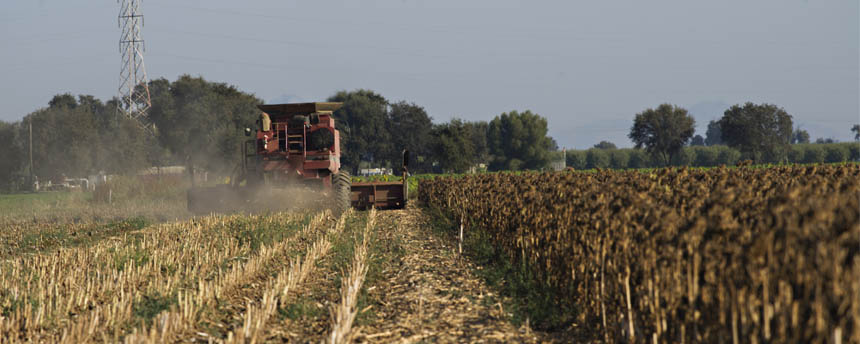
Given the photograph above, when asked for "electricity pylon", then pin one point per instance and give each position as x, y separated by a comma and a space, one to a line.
134, 100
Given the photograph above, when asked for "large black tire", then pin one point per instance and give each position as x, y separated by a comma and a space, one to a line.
341, 187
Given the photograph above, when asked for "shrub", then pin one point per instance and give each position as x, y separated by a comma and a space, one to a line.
795, 154
576, 159
836, 153
854, 150
814, 153
618, 158
685, 157
727, 156
597, 158
705, 156
638, 159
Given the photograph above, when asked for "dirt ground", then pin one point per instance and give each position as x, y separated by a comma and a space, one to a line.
430, 294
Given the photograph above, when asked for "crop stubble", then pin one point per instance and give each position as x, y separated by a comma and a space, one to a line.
98, 293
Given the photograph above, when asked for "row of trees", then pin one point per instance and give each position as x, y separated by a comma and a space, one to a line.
704, 156
200, 123
375, 132
759, 132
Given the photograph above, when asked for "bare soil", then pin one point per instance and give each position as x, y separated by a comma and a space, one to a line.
430, 294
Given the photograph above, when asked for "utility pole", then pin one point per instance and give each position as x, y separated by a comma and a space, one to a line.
564, 156
32, 173
134, 100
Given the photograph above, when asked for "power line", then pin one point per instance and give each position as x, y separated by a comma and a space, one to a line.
221, 61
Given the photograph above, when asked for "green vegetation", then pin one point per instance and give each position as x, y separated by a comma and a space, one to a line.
453, 146
301, 307
708, 156
762, 132
200, 123
21, 202
662, 132
151, 305
518, 141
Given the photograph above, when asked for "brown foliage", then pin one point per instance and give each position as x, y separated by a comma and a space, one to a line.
690, 255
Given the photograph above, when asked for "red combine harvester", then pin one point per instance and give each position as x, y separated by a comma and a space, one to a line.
295, 155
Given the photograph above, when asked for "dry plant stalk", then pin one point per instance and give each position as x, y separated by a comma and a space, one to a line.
344, 313
88, 293
277, 291
181, 322
721, 254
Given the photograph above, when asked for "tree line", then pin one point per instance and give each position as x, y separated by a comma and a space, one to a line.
704, 156
375, 131
762, 133
199, 124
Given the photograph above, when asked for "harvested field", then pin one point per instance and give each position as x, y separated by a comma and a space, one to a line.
431, 295
720, 255
300, 277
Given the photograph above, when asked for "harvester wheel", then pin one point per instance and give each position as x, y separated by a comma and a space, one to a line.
341, 187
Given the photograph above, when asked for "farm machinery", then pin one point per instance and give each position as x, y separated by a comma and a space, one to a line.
293, 159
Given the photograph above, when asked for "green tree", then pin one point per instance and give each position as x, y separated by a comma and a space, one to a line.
795, 154
685, 157
452, 148
619, 158
638, 159
697, 140
662, 131
478, 135
597, 158
856, 130
12, 157
814, 154
410, 127
822, 140
605, 145
79, 137
576, 159
705, 156
121, 143
854, 151
65, 100
837, 153
762, 132
799, 136
201, 122
714, 136
64, 135
728, 156
518, 141
363, 129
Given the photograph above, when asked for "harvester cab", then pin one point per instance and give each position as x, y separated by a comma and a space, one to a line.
292, 159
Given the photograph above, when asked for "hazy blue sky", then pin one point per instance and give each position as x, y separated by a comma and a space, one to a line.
588, 66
